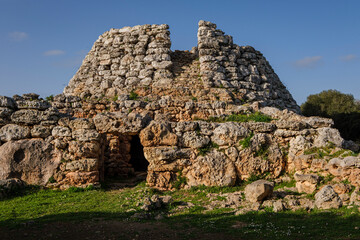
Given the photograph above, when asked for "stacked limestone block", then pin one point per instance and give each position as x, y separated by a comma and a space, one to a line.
81, 150
273, 149
122, 59
241, 69
41, 146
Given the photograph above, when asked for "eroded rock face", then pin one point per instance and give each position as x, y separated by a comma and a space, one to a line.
213, 169
33, 161
10, 185
158, 134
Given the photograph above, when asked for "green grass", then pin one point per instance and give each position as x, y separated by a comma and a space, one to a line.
246, 142
75, 205
180, 181
263, 152
254, 117
288, 184
328, 151
204, 150
133, 95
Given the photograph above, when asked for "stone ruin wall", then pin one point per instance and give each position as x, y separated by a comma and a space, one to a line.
122, 59
84, 135
239, 69
40, 146
139, 60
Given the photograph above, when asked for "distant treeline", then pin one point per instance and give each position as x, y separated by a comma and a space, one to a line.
342, 108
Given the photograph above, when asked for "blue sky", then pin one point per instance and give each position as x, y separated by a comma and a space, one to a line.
312, 45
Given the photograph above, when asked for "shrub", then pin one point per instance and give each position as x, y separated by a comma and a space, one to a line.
342, 108
50, 98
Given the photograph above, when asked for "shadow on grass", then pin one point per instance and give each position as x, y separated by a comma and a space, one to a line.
254, 225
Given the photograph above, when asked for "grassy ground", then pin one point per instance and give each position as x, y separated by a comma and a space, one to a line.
34, 211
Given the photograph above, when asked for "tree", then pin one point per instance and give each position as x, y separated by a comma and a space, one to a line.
342, 108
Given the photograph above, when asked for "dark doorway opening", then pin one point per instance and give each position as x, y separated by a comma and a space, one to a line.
137, 160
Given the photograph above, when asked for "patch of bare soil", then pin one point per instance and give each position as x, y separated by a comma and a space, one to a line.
106, 229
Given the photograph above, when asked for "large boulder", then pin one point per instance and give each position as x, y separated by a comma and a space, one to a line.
33, 161
327, 198
258, 190
213, 169
158, 134
229, 133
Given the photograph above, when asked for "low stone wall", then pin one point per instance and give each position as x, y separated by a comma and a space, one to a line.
41, 146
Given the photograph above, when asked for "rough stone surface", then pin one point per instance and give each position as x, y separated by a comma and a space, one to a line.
13, 132
258, 190
306, 182
34, 161
327, 198
8, 186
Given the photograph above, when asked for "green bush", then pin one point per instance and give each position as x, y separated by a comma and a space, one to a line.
342, 108
50, 98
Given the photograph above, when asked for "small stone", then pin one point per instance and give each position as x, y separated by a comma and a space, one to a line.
279, 206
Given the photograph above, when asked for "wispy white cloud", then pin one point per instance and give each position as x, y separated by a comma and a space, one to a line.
73, 61
348, 58
18, 36
54, 52
308, 62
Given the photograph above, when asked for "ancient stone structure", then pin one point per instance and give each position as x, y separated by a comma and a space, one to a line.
214, 116
139, 59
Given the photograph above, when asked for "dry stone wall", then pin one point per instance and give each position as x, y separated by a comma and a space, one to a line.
138, 60
40, 146
240, 69
122, 59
